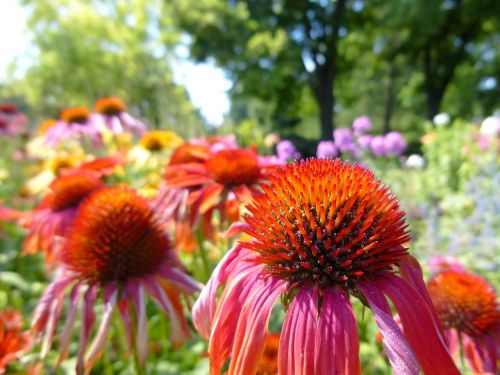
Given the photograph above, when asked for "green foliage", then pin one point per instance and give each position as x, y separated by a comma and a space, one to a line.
83, 50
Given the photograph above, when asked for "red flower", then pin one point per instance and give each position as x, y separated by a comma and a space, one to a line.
224, 180
468, 309
322, 231
116, 248
53, 217
13, 342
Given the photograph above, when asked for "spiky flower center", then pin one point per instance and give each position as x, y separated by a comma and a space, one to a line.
464, 301
234, 167
69, 191
110, 106
326, 222
115, 237
78, 115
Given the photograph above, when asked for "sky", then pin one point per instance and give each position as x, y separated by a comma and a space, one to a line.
206, 85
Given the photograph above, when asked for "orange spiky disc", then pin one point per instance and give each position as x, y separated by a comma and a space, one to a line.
110, 106
75, 114
234, 167
464, 301
115, 236
326, 222
69, 190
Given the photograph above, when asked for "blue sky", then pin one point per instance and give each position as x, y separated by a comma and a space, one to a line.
207, 86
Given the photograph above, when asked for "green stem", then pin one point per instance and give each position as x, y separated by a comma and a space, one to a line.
203, 254
138, 366
461, 353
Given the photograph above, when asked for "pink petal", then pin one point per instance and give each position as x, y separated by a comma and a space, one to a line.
398, 349
179, 278
161, 298
412, 273
204, 307
336, 343
251, 331
227, 315
418, 325
95, 351
88, 319
298, 337
235, 229
137, 293
481, 355
64, 341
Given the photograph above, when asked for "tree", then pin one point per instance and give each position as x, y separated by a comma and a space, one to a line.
87, 49
273, 49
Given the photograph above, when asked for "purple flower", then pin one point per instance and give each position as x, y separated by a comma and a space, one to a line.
286, 150
395, 144
364, 141
377, 145
326, 149
343, 139
361, 125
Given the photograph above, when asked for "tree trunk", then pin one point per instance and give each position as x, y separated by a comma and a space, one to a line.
389, 100
323, 92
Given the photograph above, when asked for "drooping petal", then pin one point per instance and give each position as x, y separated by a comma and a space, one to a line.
160, 297
65, 339
398, 349
227, 315
481, 355
204, 307
337, 343
418, 325
88, 319
298, 337
210, 197
95, 351
411, 272
251, 331
179, 278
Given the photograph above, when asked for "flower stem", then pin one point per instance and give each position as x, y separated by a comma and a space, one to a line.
203, 254
138, 365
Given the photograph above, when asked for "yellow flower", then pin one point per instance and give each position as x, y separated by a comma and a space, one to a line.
157, 140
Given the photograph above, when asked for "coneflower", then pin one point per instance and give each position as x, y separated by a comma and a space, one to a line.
321, 231
12, 121
74, 123
13, 341
51, 220
119, 250
223, 181
469, 312
112, 113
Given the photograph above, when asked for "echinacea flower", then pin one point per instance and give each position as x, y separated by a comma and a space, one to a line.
13, 341
74, 123
11, 120
119, 250
112, 112
321, 231
223, 181
468, 309
53, 217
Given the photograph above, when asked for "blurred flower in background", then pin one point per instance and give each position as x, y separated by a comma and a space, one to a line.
13, 341
326, 149
287, 151
362, 125
394, 144
12, 122
112, 113
441, 119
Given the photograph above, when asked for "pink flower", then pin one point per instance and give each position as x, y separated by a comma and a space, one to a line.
321, 231
12, 122
119, 250
467, 307
112, 114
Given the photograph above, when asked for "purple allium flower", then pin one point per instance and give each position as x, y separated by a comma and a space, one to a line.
286, 150
343, 139
395, 144
364, 141
361, 125
377, 145
326, 149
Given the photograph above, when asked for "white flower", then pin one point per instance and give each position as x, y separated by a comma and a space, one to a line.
441, 119
490, 126
415, 161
